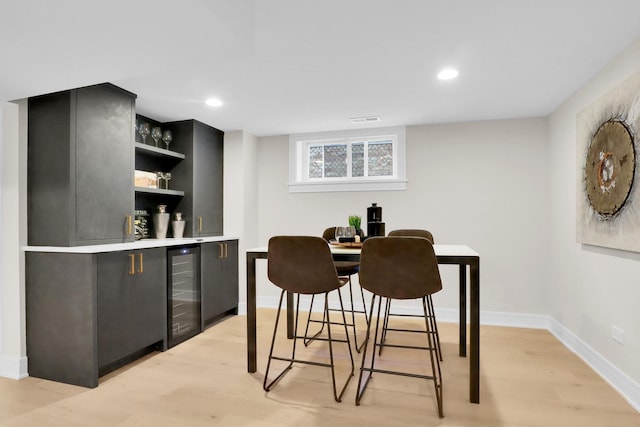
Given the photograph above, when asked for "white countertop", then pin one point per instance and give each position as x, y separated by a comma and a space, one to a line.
138, 244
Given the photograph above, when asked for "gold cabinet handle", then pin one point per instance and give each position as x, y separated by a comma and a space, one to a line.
199, 223
226, 250
129, 225
221, 247
132, 261
141, 265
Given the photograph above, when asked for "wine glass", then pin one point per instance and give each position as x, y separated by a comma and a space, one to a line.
167, 137
167, 177
144, 132
156, 134
159, 178
341, 232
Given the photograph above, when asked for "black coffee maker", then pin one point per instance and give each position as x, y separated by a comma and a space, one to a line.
375, 226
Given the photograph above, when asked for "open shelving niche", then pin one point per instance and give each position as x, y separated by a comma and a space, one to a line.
155, 159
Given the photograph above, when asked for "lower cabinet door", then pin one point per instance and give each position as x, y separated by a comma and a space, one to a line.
131, 302
148, 299
219, 279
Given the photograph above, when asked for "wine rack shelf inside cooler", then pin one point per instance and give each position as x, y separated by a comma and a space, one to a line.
184, 294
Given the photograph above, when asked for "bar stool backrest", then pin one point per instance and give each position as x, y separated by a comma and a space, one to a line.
413, 232
301, 264
399, 267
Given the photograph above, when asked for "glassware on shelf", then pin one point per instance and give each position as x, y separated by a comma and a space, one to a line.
167, 137
144, 131
162, 176
156, 134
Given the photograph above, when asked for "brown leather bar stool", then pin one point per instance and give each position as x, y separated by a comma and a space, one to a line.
400, 268
303, 265
345, 269
387, 311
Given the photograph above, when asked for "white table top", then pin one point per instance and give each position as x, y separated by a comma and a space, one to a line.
442, 250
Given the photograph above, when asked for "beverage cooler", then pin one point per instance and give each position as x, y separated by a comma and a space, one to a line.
183, 309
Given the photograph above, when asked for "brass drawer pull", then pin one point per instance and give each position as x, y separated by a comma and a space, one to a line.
132, 260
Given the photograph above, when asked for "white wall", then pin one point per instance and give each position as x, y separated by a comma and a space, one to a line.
590, 288
12, 236
481, 184
240, 198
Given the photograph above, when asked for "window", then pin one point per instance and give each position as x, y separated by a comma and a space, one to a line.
368, 160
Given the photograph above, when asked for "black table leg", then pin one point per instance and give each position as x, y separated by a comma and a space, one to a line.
463, 311
474, 362
251, 313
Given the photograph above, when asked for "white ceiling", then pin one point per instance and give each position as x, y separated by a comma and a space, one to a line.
289, 66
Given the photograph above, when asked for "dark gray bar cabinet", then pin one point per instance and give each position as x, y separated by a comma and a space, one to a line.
92, 309
90, 313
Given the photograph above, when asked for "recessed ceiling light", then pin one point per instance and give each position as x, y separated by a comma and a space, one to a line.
448, 74
213, 102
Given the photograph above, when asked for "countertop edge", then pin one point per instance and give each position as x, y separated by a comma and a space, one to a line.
139, 244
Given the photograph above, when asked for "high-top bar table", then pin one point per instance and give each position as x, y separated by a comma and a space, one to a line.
460, 255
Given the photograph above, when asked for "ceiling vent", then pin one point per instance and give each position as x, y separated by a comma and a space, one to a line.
370, 119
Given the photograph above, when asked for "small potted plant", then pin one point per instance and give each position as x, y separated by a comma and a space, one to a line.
355, 221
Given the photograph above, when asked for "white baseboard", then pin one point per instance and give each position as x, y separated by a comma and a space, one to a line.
628, 388
14, 368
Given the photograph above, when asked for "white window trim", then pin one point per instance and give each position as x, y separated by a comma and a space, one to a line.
297, 161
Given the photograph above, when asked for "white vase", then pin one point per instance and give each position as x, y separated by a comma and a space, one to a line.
178, 229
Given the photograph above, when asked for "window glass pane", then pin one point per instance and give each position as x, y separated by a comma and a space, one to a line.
315, 161
357, 159
335, 161
380, 158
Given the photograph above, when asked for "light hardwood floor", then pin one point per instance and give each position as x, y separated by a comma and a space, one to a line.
527, 379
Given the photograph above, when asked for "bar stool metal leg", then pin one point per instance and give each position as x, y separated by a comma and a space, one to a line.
309, 338
436, 373
330, 339
432, 319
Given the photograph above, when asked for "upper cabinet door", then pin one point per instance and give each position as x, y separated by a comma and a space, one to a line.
200, 176
207, 180
80, 167
103, 163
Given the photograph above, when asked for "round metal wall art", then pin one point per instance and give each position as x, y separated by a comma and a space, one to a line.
610, 168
